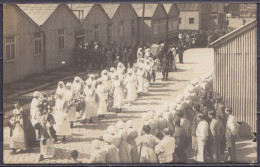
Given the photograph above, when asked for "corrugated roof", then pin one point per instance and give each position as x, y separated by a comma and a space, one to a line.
148, 12
110, 9
39, 13
167, 7
189, 6
85, 7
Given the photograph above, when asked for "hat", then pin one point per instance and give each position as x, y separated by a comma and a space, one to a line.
104, 72
211, 113
120, 125
91, 76
111, 129
88, 82
112, 69
129, 123
95, 143
68, 84
218, 97
37, 94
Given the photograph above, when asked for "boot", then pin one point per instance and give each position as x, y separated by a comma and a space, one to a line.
41, 158
13, 151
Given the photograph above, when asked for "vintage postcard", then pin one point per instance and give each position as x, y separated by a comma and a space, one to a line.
130, 83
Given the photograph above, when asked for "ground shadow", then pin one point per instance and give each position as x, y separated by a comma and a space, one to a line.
161, 90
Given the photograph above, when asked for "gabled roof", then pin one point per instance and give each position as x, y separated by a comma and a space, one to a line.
189, 6
233, 34
84, 7
39, 13
148, 11
167, 7
110, 9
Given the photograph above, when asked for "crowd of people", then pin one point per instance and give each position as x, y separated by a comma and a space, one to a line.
195, 119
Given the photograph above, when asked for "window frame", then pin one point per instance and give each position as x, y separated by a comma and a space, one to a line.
96, 30
179, 20
156, 27
41, 44
191, 18
110, 32
61, 35
122, 29
9, 43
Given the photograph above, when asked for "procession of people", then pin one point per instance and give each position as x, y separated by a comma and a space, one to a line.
196, 120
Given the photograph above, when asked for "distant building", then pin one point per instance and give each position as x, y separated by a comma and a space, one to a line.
235, 74
124, 25
155, 22
194, 16
173, 20
23, 52
217, 8
37, 38
94, 29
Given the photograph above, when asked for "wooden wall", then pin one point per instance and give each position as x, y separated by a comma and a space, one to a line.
126, 14
60, 19
235, 74
185, 15
96, 16
160, 14
25, 63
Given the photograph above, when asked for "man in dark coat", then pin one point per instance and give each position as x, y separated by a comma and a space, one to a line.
180, 144
220, 115
180, 52
130, 58
165, 68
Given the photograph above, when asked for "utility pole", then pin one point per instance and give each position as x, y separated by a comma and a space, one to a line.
143, 23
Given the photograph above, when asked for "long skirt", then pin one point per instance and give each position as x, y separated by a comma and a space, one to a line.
18, 140
72, 114
147, 155
131, 92
47, 148
140, 87
134, 152
118, 98
62, 125
90, 110
102, 106
124, 152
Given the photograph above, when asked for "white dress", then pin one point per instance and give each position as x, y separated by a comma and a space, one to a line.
102, 97
140, 79
131, 88
118, 94
62, 125
71, 109
34, 111
91, 106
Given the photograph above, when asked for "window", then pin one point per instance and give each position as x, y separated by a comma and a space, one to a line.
110, 32
96, 33
191, 20
163, 25
179, 20
10, 48
133, 27
156, 27
61, 39
37, 44
122, 29
170, 24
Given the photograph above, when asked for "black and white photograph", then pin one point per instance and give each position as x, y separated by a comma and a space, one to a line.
129, 83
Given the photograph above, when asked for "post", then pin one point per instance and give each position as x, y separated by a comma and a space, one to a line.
143, 23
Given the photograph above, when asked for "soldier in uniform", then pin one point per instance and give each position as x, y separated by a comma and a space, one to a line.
165, 67
215, 135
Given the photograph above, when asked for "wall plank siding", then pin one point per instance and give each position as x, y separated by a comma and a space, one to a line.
235, 72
